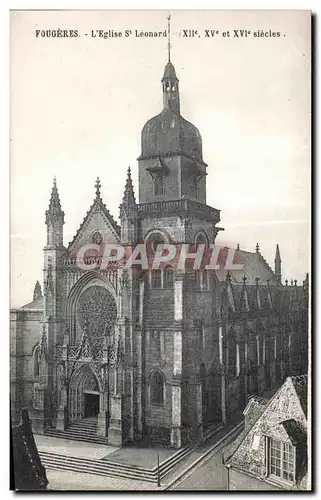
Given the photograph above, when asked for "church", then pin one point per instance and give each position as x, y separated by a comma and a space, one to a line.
153, 355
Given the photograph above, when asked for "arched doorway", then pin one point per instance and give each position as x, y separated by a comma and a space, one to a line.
84, 394
91, 396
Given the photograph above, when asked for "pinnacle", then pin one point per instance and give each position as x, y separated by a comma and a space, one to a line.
54, 203
277, 253
129, 195
54, 209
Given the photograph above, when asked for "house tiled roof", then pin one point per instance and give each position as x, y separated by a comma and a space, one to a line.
295, 431
300, 383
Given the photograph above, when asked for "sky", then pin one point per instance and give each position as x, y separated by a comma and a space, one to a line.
78, 106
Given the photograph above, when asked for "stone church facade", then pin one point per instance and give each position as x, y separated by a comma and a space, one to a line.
157, 354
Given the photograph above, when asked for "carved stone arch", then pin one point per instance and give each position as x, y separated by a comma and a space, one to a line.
85, 382
201, 238
153, 234
81, 374
89, 279
34, 347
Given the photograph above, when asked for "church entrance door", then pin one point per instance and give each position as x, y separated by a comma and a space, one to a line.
91, 404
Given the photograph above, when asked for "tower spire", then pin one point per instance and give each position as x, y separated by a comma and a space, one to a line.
169, 38
54, 209
128, 212
54, 218
54, 204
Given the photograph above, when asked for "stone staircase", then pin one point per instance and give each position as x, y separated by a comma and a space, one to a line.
85, 430
113, 469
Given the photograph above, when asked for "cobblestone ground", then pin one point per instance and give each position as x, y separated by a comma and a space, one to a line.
211, 475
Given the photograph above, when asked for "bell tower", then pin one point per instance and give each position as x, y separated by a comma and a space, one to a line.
170, 80
171, 165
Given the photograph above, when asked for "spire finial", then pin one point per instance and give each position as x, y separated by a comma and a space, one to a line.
97, 186
257, 279
169, 38
54, 203
257, 248
129, 195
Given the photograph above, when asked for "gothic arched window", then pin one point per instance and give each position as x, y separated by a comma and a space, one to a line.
155, 239
159, 186
157, 385
201, 239
36, 362
168, 277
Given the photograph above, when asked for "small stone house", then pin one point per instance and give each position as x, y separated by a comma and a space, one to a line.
272, 451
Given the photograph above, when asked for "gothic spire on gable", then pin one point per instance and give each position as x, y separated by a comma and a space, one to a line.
97, 187
277, 265
244, 301
129, 195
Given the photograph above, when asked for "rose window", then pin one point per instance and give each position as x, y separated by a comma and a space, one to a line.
97, 311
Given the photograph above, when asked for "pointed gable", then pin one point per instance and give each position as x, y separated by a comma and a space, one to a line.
97, 219
254, 266
283, 418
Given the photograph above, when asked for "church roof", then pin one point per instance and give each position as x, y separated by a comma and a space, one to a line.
168, 132
254, 266
37, 302
169, 71
35, 305
97, 206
